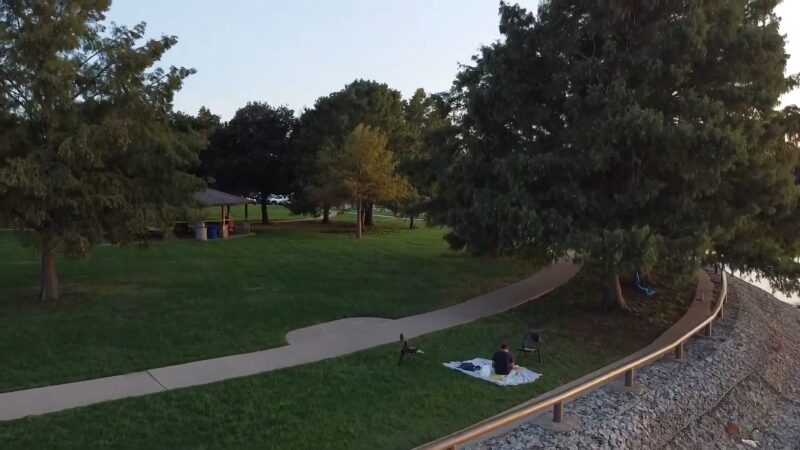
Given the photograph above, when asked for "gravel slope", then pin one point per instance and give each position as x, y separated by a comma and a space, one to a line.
747, 374
765, 406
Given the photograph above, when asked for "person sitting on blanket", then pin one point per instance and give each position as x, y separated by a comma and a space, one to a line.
502, 361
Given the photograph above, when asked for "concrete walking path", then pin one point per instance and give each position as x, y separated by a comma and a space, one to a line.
307, 345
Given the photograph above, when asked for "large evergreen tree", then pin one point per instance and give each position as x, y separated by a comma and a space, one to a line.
328, 124
89, 148
640, 135
252, 153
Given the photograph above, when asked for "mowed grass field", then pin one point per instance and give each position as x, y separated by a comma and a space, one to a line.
275, 212
365, 400
130, 309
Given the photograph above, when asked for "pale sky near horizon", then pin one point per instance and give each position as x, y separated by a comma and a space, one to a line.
292, 52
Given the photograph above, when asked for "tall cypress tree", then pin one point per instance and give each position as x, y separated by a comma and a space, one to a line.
640, 135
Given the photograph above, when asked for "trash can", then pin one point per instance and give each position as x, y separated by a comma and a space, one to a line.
245, 227
200, 231
212, 231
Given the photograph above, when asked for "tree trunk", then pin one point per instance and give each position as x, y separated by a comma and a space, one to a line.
359, 219
49, 277
411, 223
264, 213
368, 214
363, 219
326, 214
614, 295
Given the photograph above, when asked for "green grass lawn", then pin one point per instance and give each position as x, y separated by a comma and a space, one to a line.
129, 309
364, 400
275, 212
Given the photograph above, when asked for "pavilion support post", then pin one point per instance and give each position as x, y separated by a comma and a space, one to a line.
245, 212
228, 220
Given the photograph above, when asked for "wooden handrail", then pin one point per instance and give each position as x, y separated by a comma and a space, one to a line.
557, 397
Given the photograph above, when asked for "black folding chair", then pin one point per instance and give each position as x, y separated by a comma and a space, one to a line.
407, 351
531, 344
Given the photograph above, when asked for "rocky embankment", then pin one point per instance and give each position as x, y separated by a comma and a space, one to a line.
737, 389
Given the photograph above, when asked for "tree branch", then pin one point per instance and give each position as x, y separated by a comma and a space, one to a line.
91, 82
19, 25
158, 80
106, 47
103, 71
15, 99
25, 221
17, 90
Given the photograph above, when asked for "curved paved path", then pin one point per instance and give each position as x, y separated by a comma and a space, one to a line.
307, 345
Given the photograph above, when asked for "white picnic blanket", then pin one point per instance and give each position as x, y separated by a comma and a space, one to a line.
516, 377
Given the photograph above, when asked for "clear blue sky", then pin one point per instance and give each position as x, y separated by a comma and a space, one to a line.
293, 51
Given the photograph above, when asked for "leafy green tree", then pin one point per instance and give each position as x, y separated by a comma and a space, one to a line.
363, 170
327, 188
252, 154
424, 117
204, 123
327, 126
640, 135
89, 150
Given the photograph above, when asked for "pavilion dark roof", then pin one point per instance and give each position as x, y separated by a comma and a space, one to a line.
213, 197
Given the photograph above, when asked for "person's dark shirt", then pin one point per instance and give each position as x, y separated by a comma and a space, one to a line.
502, 362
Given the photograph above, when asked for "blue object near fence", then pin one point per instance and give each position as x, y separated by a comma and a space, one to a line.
637, 281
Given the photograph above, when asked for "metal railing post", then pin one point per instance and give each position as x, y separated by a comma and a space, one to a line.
558, 412
721, 314
629, 378
679, 351
707, 329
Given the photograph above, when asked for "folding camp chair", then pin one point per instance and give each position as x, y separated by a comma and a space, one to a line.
531, 344
405, 349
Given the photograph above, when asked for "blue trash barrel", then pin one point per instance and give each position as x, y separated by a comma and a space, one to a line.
212, 231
